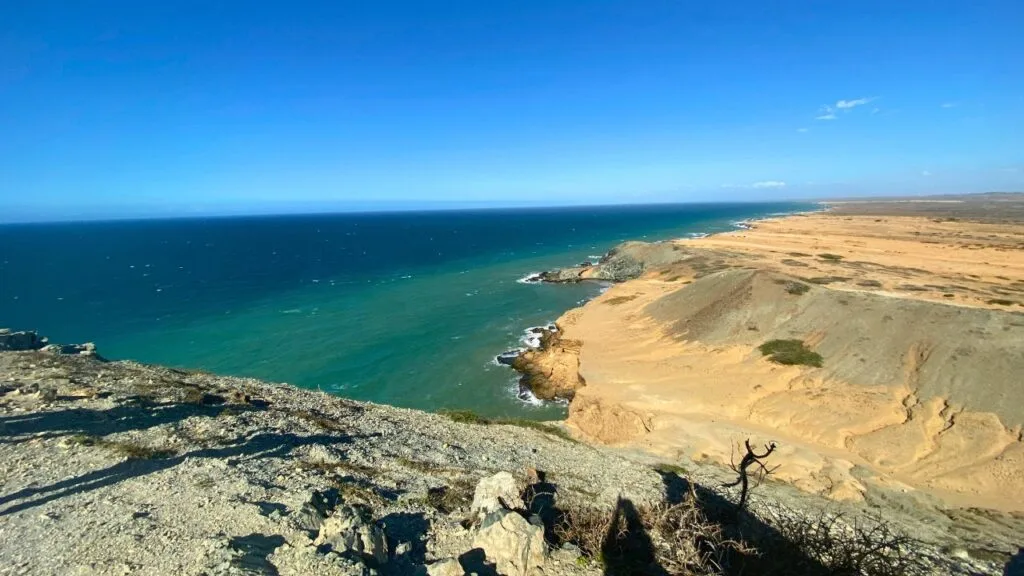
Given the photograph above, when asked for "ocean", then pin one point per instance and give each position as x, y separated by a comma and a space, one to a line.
405, 308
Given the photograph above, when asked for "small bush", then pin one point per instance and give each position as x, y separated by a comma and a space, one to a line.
790, 352
465, 417
799, 255
830, 257
319, 420
448, 499
138, 451
823, 280
666, 468
620, 300
796, 288
1001, 302
689, 538
125, 449
870, 283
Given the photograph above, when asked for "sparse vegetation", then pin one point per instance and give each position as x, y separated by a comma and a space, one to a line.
826, 279
1001, 302
830, 257
468, 417
127, 450
465, 417
796, 288
419, 465
666, 468
791, 262
620, 300
448, 499
799, 255
870, 283
319, 420
357, 492
790, 352
694, 538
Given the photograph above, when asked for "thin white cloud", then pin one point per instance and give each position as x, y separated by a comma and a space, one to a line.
875, 111
802, 130
926, 173
828, 112
949, 104
1011, 170
769, 184
851, 104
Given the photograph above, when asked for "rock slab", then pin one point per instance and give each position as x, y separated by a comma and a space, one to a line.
498, 492
514, 545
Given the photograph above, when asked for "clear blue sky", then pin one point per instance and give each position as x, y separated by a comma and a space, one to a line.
137, 107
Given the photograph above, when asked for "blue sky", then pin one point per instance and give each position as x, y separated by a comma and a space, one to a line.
135, 108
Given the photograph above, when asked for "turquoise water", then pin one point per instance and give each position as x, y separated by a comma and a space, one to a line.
405, 309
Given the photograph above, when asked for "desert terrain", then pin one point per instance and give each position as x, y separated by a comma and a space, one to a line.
915, 311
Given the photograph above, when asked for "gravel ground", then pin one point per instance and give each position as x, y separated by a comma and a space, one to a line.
121, 468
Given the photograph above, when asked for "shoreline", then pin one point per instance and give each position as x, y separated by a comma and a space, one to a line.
534, 336
823, 461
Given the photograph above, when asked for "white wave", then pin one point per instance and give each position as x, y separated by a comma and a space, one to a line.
527, 396
531, 278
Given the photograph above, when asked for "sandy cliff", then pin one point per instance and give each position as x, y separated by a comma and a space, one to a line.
918, 320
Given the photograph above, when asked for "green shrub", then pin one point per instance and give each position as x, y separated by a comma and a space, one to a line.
469, 417
666, 468
796, 288
1001, 302
465, 417
790, 352
620, 299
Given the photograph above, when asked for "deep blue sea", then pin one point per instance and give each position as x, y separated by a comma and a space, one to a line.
401, 308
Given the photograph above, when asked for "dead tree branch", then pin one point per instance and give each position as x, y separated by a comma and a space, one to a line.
751, 458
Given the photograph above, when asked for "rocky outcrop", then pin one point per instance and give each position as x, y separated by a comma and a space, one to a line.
20, 341
550, 371
626, 261
29, 340
350, 531
514, 545
498, 492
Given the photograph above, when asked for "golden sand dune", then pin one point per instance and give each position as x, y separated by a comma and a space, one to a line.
913, 393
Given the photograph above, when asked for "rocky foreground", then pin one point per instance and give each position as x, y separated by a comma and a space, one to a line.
121, 468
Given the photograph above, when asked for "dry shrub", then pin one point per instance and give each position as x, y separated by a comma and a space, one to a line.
854, 546
659, 539
682, 539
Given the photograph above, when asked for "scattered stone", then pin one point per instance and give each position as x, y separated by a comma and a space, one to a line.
312, 514
350, 531
514, 545
446, 567
498, 492
291, 560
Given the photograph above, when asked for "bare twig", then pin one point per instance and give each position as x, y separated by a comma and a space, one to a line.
749, 459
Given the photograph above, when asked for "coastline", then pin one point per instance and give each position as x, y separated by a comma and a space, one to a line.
651, 384
135, 468
536, 339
